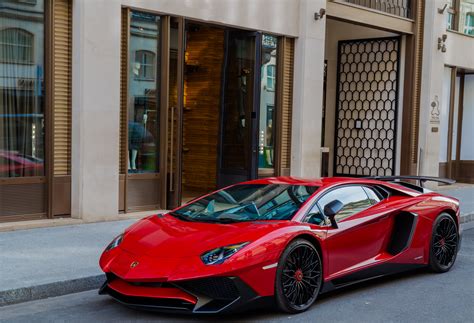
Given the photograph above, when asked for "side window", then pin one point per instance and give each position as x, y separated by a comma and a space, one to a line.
316, 217
373, 196
353, 198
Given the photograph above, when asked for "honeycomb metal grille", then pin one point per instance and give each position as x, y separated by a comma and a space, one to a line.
367, 104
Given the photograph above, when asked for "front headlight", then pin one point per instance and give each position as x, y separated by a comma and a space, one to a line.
117, 240
218, 255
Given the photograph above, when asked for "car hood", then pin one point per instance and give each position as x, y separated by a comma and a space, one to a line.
168, 237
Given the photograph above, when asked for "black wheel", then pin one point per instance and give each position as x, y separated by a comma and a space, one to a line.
444, 243
298, 277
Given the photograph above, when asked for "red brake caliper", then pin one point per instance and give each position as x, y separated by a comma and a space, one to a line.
299, 275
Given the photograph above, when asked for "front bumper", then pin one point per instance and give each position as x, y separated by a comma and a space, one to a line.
205, 295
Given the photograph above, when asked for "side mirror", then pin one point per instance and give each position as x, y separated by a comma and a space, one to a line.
331, 209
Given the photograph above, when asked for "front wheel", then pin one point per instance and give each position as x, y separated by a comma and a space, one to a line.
298, 277
444, 243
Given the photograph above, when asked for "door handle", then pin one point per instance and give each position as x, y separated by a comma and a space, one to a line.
171, 172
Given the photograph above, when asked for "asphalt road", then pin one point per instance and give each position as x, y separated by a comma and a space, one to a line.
417, 296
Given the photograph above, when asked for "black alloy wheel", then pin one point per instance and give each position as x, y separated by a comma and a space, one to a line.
444, 243
299, 277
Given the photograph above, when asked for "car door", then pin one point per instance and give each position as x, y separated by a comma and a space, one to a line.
360, 234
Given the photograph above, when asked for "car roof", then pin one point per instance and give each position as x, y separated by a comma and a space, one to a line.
290, 180
331, 181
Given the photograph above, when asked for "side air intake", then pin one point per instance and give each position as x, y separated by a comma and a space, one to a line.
402, 234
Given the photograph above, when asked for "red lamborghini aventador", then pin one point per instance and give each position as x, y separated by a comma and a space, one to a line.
281, 239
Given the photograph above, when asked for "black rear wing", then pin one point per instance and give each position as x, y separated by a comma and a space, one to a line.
421, 180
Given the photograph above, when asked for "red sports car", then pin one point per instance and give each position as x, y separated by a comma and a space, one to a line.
283, 239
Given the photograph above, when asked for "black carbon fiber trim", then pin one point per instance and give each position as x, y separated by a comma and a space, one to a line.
222, 288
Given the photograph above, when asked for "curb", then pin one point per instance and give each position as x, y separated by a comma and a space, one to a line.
467, 221
467, 218
26, 294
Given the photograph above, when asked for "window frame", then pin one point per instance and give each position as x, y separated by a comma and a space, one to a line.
327, 223
376, 193
56, 176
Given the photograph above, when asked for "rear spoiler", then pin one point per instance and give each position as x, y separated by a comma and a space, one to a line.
421, 180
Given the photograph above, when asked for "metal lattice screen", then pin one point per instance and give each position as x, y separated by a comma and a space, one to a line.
366, 108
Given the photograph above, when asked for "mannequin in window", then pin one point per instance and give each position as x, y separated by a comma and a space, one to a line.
136, 135
133, 146
269, 143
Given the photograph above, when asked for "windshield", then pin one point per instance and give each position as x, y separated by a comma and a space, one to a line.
247, 202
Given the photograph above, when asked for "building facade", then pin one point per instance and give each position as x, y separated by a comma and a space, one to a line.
119, 106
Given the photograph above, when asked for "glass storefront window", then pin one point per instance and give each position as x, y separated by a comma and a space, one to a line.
144, 85
22, 89
267, 102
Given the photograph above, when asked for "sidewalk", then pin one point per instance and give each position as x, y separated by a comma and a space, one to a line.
46, 262
465, 194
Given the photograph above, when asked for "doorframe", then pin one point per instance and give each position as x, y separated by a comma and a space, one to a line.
452, 99
255, 113
162, 99
164, 106
397, 93
452, 167
174, 176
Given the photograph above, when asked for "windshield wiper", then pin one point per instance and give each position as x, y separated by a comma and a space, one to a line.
221, 220
228, 220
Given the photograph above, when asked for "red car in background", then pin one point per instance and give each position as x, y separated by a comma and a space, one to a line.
14, 164
285, 240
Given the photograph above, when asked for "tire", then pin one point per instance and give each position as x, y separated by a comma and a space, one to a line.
298, 277
444, 243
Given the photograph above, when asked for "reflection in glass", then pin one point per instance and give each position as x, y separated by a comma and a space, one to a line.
450, 15
354, 199
267, 102
145, 62
143, 110
466, 17
238, 101
21, 88
246, 202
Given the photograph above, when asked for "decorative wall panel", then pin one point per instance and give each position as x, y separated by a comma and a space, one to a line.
287, 105
202, 92
367, 104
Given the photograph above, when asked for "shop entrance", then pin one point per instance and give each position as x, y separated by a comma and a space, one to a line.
219, 119
198, 106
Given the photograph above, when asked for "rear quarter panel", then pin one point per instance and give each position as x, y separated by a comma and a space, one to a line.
428, 207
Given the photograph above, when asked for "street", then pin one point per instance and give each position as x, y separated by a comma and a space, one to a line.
418, 296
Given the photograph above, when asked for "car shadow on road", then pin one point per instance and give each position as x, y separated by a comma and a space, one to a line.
271, 312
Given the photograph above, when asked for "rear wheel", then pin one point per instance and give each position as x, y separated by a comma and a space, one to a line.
299, 277
444, 243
